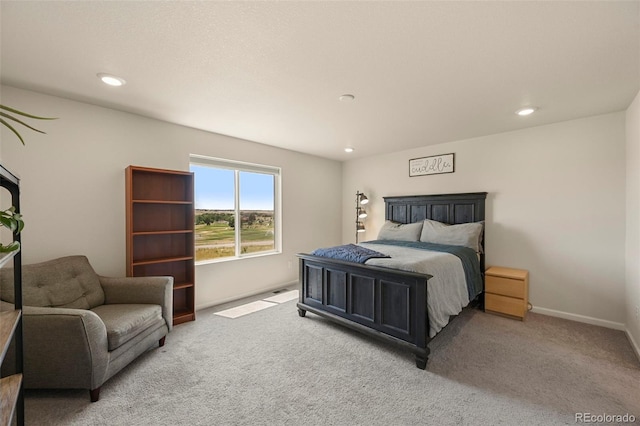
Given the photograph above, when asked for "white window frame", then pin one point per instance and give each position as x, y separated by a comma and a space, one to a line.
237, 167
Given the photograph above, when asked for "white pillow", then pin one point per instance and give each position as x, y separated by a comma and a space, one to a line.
400, 231
463, 234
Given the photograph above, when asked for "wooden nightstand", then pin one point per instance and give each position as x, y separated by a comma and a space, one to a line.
506, 291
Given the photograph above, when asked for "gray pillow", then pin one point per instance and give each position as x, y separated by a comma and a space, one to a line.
463, 234
400, 231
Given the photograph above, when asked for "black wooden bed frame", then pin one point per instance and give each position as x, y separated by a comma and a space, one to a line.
385, 303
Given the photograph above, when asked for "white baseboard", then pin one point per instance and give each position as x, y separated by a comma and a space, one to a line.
580, 318
293, 284
634, 344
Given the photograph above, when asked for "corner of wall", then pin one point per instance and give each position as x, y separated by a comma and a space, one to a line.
634, 344
632, 232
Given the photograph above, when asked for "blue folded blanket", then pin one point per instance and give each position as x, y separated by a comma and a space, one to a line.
349, 253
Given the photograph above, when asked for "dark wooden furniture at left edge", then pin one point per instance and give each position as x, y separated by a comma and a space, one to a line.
385, 303
12, 386
161, 231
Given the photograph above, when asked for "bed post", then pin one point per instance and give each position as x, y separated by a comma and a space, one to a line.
422, 359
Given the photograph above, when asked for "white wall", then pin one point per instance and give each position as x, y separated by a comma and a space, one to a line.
633, 223
73, 197
556, 202
556, 207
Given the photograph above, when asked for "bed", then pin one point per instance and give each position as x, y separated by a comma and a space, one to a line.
383, 302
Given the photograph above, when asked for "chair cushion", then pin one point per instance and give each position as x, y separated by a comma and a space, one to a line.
67, 282
125, 321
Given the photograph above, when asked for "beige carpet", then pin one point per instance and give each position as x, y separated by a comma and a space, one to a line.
272, 367
558, 364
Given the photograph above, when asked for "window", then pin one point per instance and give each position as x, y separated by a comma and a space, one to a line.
237, 211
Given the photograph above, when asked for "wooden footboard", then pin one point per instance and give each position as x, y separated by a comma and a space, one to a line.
385, 303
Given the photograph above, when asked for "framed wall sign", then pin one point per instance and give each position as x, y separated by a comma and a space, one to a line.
433, 165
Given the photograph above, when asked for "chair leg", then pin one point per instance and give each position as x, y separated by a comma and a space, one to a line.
161, 341
94, 394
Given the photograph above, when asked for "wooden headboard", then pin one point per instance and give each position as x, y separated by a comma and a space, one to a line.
446, 208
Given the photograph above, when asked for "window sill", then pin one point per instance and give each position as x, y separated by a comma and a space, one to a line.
234, 258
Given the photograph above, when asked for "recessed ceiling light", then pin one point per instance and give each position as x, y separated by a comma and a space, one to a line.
526, 111
346, 98
111, 80
348, 149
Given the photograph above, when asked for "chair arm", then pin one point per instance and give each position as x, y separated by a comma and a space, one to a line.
64, 348
151, 290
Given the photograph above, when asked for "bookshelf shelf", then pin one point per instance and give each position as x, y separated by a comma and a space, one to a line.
160, 231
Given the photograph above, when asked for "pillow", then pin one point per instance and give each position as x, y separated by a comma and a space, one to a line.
463, 234
400, 231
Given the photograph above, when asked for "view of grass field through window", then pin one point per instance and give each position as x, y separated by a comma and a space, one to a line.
220, 225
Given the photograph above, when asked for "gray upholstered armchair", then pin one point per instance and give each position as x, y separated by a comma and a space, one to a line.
80, 328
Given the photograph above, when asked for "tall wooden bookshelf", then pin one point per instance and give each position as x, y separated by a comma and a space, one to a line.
11, 387
160, 232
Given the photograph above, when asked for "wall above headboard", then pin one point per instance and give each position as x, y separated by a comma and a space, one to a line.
555, 207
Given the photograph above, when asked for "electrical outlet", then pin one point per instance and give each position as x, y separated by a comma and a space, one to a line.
290, 265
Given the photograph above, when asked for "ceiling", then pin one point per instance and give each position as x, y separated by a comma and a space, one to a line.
422, 73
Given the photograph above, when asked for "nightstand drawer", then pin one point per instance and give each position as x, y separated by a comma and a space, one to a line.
504, 286
504, 305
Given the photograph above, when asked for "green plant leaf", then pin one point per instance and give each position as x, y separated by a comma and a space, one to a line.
13, 246
24, 114
11, 220
8, 222
13, 130
4, 114
19, 222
